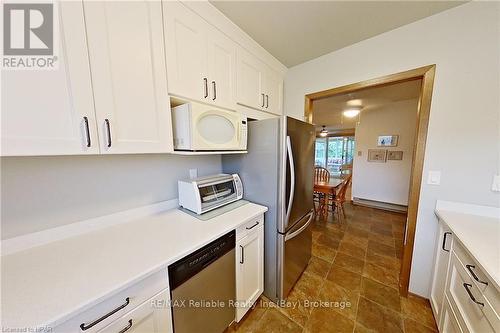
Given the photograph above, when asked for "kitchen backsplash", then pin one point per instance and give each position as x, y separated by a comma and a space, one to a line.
39, 193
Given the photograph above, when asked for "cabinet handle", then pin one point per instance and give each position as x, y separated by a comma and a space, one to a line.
263, 99
125, 329
84, 326
108, 129
87, 131
267, 101
214, 86
467, 287
205, 84
242, 258
469, 268
256, 224
444, 241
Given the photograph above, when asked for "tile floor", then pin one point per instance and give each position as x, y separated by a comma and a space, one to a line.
354, 273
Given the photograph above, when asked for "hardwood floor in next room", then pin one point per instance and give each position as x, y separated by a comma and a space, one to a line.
355, 270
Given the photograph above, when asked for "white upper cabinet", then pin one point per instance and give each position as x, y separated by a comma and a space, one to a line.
249, 80
258, 86
129, 76
201, 60
186, 51
273, 87
51, 112
222, 69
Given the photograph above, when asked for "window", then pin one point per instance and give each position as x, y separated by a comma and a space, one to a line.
333, 152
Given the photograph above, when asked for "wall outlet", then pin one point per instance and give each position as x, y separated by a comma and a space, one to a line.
495, 187
193, 173
434, 178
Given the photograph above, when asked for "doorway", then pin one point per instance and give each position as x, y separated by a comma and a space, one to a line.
426, 75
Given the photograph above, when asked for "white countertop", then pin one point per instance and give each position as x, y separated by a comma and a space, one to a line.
46, 285
480, 235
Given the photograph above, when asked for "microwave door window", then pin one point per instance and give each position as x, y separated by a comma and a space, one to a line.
216, 129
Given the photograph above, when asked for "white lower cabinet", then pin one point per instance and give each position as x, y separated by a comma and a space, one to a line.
449, 322
463, 297
249, 267
152, 316
443, 250
144, 306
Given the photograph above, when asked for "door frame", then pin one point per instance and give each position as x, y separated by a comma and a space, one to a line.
426, 74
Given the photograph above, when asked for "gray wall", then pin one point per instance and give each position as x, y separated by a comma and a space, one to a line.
39, 193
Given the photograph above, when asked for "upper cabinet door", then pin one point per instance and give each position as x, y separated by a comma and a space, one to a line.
129, 76
186, 52
273, 88
221, 69
249, 80
51, 112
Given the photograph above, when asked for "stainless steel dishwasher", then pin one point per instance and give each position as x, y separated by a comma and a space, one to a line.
203, 285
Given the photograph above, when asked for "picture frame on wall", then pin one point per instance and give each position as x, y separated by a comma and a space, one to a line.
377, 155
387, 140
395, 155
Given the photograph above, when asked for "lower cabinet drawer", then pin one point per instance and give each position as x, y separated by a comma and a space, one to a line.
249, 226
112, 308
479, 278
449, 322
152, 316
473, 312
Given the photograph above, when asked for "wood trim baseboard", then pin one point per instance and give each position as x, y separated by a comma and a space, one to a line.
426, 74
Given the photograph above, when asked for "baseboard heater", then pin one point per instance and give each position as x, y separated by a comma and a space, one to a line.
380, 205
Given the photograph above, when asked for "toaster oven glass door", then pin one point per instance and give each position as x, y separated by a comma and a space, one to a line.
215, 194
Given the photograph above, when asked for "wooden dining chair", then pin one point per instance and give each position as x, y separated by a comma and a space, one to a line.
320, 175
337, 202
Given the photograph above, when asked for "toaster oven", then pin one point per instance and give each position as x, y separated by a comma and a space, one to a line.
203, 194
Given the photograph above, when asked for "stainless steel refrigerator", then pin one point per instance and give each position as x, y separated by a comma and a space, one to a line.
278, 172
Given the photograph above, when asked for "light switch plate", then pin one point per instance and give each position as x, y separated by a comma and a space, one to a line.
434, 178
360, 153
495, 187
193, 173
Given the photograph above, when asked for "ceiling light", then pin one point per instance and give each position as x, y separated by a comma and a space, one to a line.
323, 132
351, 113
354, 102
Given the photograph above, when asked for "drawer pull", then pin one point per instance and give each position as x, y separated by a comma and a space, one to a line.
125, 329
469, 268
108, 128
467, 287
84, 326
87, 131
444, 241
242, 258
256, 224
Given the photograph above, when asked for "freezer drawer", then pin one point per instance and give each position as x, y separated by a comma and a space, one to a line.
296, 248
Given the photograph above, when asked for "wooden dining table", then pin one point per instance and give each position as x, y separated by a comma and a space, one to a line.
328, 188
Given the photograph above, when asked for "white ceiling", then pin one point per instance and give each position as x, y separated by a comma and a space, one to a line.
328, 111
298, 31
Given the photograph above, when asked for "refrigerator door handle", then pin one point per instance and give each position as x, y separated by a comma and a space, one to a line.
292, 178
298, 231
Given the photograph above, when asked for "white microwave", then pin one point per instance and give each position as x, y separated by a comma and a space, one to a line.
200, 127
203, 194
